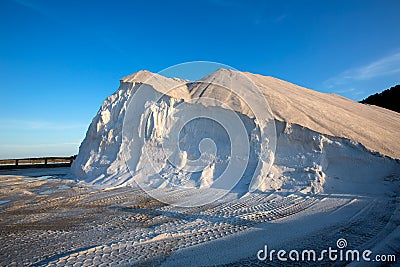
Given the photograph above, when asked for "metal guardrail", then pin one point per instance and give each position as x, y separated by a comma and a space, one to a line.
44, 162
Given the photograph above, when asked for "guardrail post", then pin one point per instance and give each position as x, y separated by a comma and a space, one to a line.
16, 162
45, 162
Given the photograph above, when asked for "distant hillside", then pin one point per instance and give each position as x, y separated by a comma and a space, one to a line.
390, 99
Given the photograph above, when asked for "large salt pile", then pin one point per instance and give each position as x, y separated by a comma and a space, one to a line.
159, 142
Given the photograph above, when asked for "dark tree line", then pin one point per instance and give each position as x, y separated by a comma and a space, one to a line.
390, 99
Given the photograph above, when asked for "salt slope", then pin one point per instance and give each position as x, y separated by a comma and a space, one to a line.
310, 127
376, 128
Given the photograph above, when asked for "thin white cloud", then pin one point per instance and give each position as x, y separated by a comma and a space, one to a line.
280, 18
32, 5
40, 145
13, 151
39, 125
388, 65
352, 89
385, 66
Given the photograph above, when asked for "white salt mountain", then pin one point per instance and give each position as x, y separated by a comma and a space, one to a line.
320, 137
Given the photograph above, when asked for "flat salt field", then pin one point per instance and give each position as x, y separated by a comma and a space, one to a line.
48, 219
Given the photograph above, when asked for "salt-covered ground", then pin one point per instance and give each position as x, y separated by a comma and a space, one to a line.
46, 219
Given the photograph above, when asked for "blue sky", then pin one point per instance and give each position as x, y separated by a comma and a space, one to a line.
60, 59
